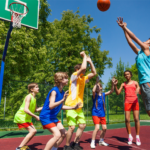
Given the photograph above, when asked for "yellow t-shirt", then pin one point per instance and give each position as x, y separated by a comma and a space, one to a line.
76, 90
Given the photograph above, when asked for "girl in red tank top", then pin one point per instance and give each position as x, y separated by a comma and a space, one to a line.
131, 89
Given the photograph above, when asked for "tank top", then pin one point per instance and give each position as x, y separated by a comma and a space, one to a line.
130, 95
21, 116
52, 113
99, 110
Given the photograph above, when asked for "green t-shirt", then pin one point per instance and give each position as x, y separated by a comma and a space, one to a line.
21, 116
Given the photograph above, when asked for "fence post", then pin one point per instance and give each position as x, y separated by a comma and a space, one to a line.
107, 110
62, 116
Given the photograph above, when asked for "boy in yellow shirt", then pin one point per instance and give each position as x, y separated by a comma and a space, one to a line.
76, 91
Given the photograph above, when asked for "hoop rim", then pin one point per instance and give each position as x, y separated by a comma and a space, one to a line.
17, 12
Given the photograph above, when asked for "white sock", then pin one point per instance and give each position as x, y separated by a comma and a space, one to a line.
54, 148
101, 140
130, 136
93, 141
137, 136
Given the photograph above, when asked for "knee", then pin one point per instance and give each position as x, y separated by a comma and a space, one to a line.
34, 131
71, 128
127, 120
57, 136
82, 126
136, 120
104, 130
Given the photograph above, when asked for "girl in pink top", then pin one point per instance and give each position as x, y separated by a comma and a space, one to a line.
131, 102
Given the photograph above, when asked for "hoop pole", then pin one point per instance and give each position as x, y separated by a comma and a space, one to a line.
3, 59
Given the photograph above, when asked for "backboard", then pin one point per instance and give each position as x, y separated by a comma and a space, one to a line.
30, 19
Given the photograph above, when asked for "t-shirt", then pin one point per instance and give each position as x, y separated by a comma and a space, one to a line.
143, 66
52, 113
99, 110
76, 90
23, 117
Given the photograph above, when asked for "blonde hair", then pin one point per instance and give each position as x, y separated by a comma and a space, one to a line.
31, 86
58, 77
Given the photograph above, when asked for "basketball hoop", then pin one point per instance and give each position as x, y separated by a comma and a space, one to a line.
18, 11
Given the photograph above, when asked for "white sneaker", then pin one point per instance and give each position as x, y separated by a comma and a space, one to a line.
130, 140
103, 143
92, 145
138, 142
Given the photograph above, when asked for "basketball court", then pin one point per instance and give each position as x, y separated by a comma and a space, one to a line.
116, 137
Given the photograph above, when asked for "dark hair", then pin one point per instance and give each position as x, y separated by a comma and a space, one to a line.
31, 86
128, 71
77, 67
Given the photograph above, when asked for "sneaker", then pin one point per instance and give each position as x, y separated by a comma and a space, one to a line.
138, 142
130, 140
77, 147
103, 143
92, 145
67, 148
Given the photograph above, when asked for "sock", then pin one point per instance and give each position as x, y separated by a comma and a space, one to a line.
137, 136
130, 136
101, 139
54, 148
93, 141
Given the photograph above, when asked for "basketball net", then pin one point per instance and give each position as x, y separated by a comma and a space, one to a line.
16, 20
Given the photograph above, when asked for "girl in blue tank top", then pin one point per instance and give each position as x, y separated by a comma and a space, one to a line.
98, 112
52, 106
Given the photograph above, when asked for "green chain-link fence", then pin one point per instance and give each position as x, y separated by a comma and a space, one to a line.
14, 93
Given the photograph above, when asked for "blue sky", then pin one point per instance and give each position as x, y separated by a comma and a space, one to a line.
136, 14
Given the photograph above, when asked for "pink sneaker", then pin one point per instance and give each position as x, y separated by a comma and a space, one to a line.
138, 142
130, 140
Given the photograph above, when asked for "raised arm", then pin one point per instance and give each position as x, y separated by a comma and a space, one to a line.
131, 35
52, 98
26, 108
94, 88
84, 64
111, 91
93, 70
116, 89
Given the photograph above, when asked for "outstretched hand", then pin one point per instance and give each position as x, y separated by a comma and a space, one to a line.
88, 59
115, 82
82, 54
121, 23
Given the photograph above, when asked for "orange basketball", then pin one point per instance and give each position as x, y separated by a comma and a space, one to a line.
103, 5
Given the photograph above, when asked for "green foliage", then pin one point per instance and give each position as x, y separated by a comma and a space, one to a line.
36, 55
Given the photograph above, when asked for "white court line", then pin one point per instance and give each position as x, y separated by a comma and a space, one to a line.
120, 142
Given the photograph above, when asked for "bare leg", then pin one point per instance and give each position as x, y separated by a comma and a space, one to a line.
63, 134
79, 132
69, 135
136, 120
95, 131
29, 136
127, 121
56, 136
104, 128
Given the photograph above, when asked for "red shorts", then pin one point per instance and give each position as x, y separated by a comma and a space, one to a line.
24, 125
129, 106
99, 120
51, 125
